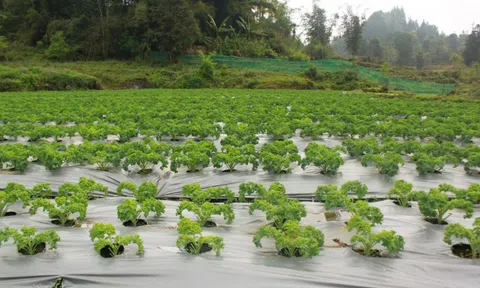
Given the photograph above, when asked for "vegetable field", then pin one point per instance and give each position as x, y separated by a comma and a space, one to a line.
108, 188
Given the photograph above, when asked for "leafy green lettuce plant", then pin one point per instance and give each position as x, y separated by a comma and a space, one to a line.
292, 240
323, 157
63, 208
472, 236
131, 210
435, 205
277, 207
13, 193
365, 240
104, 236
191, 240
28, 241
402, 191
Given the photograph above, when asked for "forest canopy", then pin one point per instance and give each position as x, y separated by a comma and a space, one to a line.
126, 29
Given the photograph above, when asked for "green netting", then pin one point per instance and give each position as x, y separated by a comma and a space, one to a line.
328, 65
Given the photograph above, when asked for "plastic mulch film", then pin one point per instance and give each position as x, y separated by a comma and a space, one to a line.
425, 262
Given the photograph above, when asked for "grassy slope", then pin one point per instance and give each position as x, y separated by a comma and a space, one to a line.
124, 74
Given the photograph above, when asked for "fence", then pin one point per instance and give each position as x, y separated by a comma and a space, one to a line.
328, 65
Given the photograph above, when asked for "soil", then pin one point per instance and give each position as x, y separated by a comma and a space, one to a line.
463, 250
205, 248
145, 171
396, 202
70, 223
284, 253
10, 213
228, 170
331, 216
105, 252
210, 224
375, 253
140, 222
435, 221
39, 249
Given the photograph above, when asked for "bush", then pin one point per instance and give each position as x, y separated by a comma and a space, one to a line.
9, 85
68, 80
192, 82
58, 49
299, 56
207, 68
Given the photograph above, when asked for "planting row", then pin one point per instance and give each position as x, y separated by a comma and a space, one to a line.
278, 129
199, 114
276, 157
284, 214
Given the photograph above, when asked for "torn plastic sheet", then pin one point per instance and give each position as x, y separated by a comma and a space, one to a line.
426, 261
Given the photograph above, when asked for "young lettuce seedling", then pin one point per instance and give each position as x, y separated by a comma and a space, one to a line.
435, 205
292, 240
131, 210
108, 244
13, 193
365, 240
191, 240
28, 241
460, 232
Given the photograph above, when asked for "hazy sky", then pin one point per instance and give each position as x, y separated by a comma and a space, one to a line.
451, 16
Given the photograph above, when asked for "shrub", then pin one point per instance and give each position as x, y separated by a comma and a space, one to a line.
59, 48
207, 68
10, 85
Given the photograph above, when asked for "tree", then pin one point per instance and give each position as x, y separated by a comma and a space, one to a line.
172, 26
317, 26
352, 26
453, 43
3, 46
420, 60
404, 43
59, 48
375, 48
472, 47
